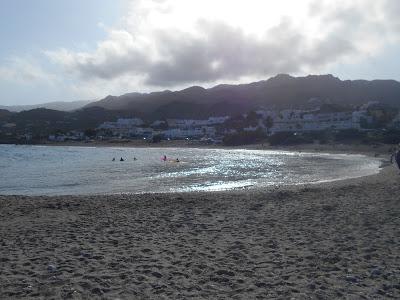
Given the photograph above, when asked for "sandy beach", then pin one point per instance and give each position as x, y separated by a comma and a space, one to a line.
326, 241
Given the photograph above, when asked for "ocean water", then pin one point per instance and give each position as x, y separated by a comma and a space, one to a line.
42, 170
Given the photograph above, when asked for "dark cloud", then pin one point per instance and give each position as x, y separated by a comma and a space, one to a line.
113, 65
217, 51
224, 52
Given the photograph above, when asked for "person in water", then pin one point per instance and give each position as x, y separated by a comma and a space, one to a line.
177, 160
134, 158
164, 158
121, 159
396, 157
113, 159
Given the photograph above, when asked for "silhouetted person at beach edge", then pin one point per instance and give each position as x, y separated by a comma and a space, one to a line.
396, 156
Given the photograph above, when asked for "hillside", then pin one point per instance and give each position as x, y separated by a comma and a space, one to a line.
44, 121
281, 91
62, 106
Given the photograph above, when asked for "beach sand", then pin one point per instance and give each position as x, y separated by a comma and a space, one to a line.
326, 241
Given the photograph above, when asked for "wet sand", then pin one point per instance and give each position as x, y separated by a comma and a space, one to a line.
326, 241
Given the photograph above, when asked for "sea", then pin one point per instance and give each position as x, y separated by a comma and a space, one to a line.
59, 170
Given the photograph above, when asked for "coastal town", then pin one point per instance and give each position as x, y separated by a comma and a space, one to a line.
214, 129
244, 128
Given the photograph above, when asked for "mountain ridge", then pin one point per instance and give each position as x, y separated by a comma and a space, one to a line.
56, 105
281, 91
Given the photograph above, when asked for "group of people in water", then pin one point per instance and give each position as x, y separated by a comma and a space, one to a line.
394, 158
163, 158
122, 159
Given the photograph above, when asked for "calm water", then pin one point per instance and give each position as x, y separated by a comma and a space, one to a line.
40, 170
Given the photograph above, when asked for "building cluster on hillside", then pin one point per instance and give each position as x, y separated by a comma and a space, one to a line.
303, 121
214, 129
74, 135
170, 128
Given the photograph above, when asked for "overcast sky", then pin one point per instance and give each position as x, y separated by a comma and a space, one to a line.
68, 50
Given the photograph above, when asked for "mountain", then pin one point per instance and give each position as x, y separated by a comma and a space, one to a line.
4, 114
61, 106
281, 91
41, 122
47, 120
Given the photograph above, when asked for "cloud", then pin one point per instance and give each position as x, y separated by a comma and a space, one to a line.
221, 51
24, 71
392, 9
168, 43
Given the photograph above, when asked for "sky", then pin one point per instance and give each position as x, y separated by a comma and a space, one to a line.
69, 50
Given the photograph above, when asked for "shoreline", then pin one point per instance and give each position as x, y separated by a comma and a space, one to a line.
379, 149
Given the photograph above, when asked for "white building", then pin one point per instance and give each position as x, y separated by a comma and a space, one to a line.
217, 120
209, 131
266, 113
369, 104
187, 123
251, 128
141, 131
122, 124
158, 123
9, 125
300, 121
130, 122
395, 122
359, 116
75, 135
179, 133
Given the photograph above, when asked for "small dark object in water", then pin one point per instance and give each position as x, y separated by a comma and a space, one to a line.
122, 159
51, 268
